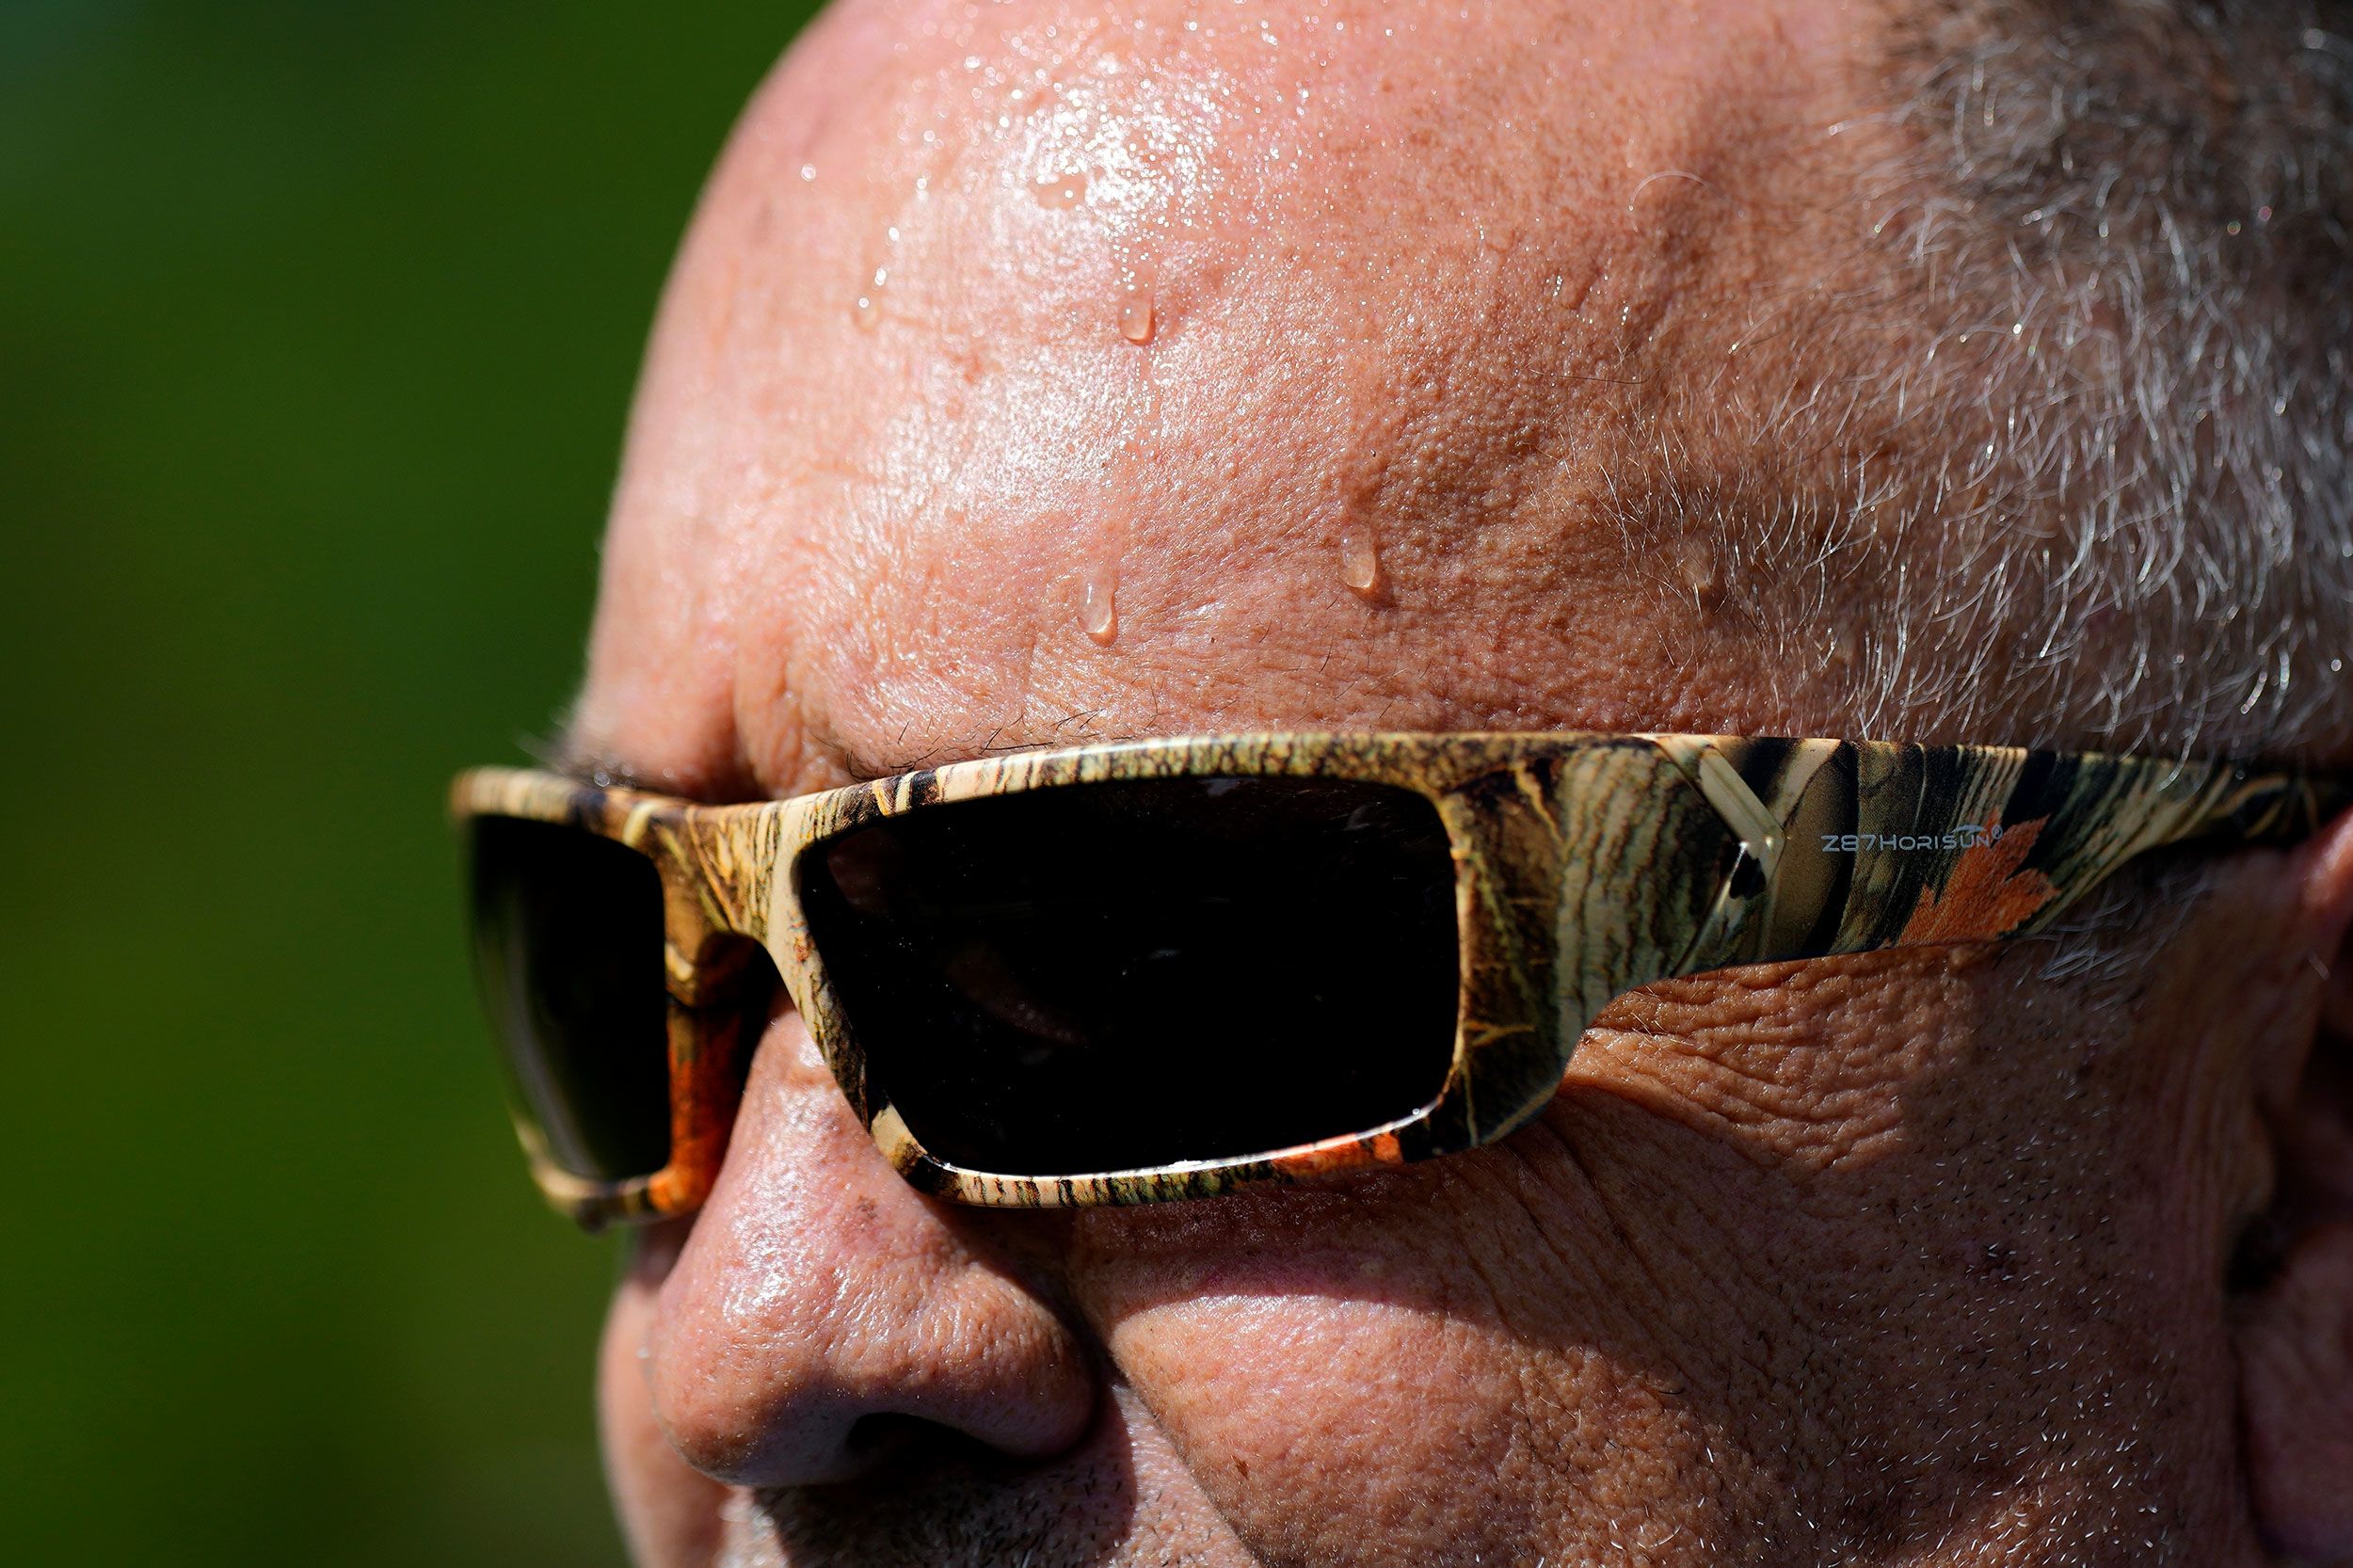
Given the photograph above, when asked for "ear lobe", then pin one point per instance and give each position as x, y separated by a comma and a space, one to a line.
2296, 1358
2294, 1331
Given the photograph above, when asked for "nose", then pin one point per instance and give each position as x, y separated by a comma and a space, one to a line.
820, 1309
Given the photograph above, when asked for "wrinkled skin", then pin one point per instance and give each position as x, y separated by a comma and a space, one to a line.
1904, 1258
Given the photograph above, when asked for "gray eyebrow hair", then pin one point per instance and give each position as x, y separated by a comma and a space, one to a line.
567, 753
1008, 739
560, 752
563, 753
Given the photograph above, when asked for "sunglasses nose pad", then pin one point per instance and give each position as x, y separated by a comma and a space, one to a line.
739, 994
750, 982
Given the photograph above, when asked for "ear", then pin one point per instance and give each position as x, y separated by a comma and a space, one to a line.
2295, 1329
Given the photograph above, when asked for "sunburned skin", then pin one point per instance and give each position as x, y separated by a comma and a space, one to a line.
936, 481
1051, 373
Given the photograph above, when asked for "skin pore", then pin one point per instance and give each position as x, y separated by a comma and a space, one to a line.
1051, 372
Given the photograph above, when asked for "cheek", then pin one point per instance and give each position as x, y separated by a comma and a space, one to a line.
669, 1512
1309, 1414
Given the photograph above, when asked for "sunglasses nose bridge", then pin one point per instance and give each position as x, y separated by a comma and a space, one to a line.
720, 979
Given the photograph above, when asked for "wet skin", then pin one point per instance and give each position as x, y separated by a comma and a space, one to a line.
1047, 373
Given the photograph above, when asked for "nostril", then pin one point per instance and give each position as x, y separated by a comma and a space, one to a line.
885, 1435
903, 1444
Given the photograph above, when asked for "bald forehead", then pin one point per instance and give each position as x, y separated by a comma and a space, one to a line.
1054, 371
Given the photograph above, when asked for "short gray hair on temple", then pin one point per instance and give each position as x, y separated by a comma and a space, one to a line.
2166, 189
2121, 513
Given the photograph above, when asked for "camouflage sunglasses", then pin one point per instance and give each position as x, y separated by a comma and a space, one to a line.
1158, 969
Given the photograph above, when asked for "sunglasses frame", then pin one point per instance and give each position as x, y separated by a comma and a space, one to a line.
1586, 866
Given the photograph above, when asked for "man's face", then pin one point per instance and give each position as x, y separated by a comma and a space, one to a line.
1052, 372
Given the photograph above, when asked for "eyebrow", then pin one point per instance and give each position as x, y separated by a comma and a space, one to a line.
565, 753
1008, 739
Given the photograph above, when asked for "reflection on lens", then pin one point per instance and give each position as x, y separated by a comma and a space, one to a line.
567, 939
1110, 976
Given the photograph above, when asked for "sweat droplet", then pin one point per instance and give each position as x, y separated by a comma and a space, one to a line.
1060, 190
1360, 560
1697, 565
1135, 316
1098, 616
869, 306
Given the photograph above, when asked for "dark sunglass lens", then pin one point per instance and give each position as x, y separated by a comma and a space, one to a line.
1111, 976
568, 935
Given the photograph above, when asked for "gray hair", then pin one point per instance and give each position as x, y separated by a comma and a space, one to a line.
2124, 516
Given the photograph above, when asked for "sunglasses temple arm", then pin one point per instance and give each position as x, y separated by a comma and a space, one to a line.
1919, 870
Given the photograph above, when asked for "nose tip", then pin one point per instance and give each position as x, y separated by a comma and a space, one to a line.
809, 1413
820, 1309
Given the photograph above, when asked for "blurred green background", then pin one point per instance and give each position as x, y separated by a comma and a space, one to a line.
317, 327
